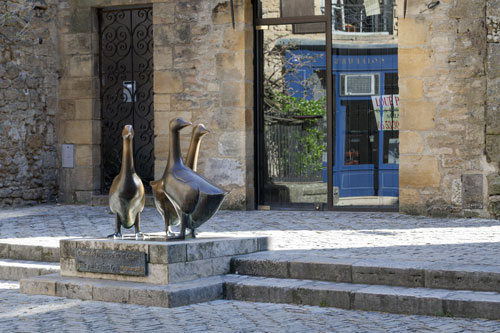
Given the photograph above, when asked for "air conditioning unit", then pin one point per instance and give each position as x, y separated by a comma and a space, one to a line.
359, 84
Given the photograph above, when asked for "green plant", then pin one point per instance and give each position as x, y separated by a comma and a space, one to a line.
309, 142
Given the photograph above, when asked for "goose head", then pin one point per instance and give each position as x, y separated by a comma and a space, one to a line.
128, 132
177, 124
199, 131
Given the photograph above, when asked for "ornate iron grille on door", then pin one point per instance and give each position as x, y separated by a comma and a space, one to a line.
126, 73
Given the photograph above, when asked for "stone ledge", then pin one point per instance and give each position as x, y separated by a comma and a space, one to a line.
415, 301
20, 269
29, 252
375, 272
172, 295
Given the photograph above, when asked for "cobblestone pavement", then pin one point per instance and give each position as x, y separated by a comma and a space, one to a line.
389, 236
384, 236
23, 313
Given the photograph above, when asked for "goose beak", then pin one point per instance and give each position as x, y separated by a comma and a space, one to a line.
128, 131
200, 130
183, 123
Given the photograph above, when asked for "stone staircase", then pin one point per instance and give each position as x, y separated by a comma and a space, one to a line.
417, 288
19, 261
410, 287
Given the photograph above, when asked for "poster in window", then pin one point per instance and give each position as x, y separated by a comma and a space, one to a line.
393, 151
372, 7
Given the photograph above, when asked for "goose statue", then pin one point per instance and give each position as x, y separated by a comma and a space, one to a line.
194, 198
127, 196
163, 205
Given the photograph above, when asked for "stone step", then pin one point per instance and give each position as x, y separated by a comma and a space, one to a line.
376, 272
171, 295
20, 269
29, 252
391, 299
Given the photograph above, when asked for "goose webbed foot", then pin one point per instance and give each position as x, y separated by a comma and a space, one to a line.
170, 233
116, 235
140, 235
190, 233
176, 237
118, 229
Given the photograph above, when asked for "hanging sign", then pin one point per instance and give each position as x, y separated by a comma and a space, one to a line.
388, 116
372, 7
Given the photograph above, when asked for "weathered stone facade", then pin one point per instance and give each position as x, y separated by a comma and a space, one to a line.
203, 72
28, 103
447, 75
449, 68
493, 104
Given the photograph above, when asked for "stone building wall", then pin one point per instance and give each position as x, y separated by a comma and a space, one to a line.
446, 87
493, 104
203, 72
28, 103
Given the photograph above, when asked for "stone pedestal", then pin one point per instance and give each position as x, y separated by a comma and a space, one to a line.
151, 272
153, 261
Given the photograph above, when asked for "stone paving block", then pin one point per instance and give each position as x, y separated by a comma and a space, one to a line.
220, 247
321, 269
324, 295
40, 285
195, 295
291, 291
72, 288
4, 250
463, 277
68, 267
50, 254
419, 301
161, 254
388, 273
67, 249
270, 268
24, 252
473, 305
110, 291
259, 289
16, 270
191, 270
150, 296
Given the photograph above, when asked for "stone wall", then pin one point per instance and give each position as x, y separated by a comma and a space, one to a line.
28, 103
203, 72
212, 67
493, 104
444, 85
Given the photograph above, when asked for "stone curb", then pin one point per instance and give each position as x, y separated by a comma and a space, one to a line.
399, 300
404, 274
29, 252
18, 269
172, 295
391, 299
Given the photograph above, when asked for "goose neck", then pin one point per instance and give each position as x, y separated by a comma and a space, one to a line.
174, 156
127, 156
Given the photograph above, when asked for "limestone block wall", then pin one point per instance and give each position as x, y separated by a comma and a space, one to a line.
203, 72
28, 103
444, 87
493, 104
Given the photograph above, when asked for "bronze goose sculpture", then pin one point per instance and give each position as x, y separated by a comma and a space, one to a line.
163, 205
194, 198
127, 196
